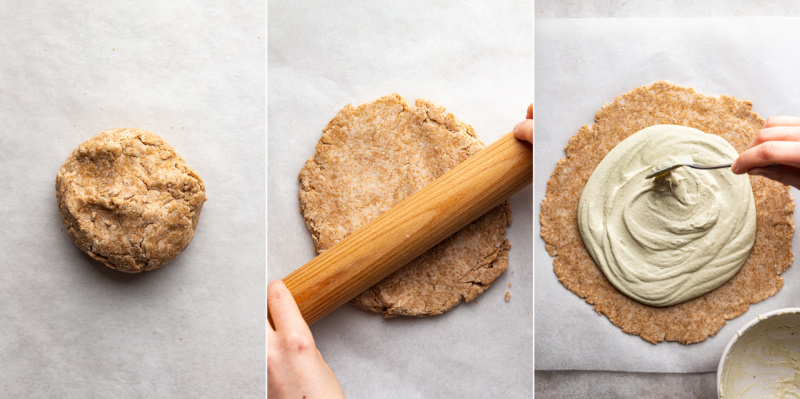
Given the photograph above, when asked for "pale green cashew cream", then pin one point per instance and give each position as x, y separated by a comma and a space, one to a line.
667, 240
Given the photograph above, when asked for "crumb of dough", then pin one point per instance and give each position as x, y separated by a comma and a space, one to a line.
508, 296
128, 200
373, 156
695, 320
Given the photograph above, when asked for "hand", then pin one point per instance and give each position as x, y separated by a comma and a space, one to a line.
777, 143
524, 129
295, 368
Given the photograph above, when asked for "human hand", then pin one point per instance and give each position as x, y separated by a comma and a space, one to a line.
778, 142
524, 129
295, 368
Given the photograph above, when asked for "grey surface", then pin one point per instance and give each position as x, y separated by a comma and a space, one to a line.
193, 73
475, 59
610, 384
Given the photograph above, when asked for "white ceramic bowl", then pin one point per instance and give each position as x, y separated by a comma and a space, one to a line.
763, 358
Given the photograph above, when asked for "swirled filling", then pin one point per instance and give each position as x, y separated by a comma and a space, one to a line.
667, 240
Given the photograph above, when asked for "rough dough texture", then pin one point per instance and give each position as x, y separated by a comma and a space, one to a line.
375, 155
128, 200
697, 319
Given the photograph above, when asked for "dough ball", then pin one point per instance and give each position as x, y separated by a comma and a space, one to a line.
128, 200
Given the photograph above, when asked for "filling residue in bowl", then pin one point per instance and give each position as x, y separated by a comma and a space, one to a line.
765, 360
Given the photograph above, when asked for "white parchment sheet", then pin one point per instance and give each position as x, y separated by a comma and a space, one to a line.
475, 59
192, 72
582, 64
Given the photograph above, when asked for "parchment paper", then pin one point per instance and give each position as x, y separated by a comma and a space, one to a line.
193, 73
582, 64
477, 61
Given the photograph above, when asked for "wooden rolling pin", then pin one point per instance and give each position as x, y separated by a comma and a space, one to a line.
411, 227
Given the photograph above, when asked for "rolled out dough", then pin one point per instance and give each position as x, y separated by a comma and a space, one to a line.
373, 156
697, 319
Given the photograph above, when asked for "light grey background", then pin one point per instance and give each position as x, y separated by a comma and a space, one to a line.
474, 58
596, 61
193, 73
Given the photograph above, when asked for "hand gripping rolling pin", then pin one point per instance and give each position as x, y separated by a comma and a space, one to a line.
411, 227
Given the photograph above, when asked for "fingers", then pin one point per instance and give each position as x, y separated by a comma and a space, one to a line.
294, 364
524, 129
787, 175
283, 309
776, 133
777, 143
782, 120
781, 152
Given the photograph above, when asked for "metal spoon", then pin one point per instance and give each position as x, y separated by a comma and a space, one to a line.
664, 171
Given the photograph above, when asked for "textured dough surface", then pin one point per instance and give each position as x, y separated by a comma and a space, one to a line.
373, 156
128, 200
697, 319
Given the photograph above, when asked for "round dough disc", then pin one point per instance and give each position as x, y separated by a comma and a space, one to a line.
375, 155
128, 200
697, 319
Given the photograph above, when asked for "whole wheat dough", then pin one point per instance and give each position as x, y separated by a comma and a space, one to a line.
697, 319
128, 200
373, 156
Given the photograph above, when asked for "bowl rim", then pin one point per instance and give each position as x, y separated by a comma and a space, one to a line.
742, 331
